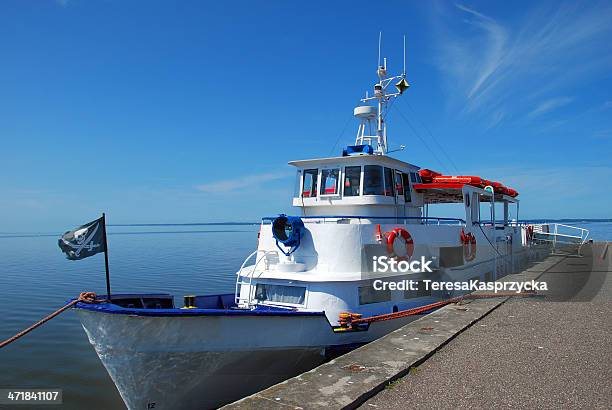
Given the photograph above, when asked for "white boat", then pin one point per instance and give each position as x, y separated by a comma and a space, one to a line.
285, 315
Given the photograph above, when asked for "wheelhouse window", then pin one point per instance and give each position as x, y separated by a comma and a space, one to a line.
415, 178
372, 180
399, 184
294, 295
309, 189
329, 181
352, 181
389, 191
367, 295
405, 178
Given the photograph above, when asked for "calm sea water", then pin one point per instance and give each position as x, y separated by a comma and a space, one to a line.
36, 279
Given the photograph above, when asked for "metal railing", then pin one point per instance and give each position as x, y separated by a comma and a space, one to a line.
561, 233
565, 239
424, 220
240, 282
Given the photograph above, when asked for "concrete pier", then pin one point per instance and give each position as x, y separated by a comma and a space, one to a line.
548, 351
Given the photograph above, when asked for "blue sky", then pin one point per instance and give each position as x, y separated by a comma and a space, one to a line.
188, 111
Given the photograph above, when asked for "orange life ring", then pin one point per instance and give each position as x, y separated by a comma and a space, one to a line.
469, 245
392, 236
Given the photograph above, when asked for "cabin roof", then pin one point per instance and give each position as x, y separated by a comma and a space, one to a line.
355, 159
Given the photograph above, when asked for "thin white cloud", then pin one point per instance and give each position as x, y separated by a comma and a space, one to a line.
496, 118
472, 11
493, 48
607, 133
549, 105
63, 3
249, 181
492, 65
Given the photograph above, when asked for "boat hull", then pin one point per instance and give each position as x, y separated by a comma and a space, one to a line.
206, 361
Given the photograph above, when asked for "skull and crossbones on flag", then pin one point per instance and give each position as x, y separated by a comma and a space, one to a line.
84, 241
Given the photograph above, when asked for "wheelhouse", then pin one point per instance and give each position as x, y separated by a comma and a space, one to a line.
378, 185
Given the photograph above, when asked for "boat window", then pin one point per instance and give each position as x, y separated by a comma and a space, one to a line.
485, 212
421, 291
367, 295
415, 178
329, 181
280, 293
399, 185
389, 191
406, 187
372, 180
352, 180
310, 183
500, 214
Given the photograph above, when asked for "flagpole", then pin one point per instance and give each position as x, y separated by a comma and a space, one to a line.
108, 291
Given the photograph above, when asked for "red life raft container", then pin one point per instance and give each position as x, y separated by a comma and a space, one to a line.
461, 179
455, 182
427, 175
512, 192
499, 188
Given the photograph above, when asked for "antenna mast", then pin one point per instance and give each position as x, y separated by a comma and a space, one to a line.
382, 97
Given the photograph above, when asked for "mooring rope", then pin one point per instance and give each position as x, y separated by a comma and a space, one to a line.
349, 319
85, 297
